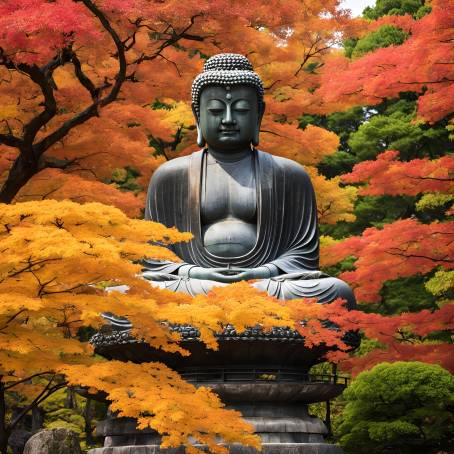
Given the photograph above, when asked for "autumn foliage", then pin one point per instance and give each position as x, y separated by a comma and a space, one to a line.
421, 64
58, 258
421, 245
94, 96
79, 79
388, 175
395, 251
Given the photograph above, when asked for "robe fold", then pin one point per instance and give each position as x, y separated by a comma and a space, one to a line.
287, 232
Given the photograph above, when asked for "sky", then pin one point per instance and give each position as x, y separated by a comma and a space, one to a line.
357, 6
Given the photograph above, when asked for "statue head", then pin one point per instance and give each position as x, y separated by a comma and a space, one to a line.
227, 101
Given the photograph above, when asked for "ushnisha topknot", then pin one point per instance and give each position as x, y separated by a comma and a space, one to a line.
226, 69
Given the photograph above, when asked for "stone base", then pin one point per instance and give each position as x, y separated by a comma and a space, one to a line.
267, 448
283, 429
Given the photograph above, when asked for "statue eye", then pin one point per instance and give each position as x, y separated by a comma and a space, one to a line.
242, 106
216, 110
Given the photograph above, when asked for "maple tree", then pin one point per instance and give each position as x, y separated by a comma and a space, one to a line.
387, 175
58, 256
52, 284
73, 73
400, 246
420, 64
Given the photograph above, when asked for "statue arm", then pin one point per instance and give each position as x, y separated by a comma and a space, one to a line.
299, 249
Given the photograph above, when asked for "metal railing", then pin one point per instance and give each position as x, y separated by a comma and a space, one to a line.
248, 375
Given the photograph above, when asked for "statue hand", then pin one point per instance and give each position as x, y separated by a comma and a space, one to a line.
227, 275
245, 274
261, 272
212, 274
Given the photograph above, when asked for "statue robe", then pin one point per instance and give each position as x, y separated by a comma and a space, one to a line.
287, 231
287, 234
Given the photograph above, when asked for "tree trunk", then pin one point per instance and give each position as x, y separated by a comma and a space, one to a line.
19, 175
4, 429
88, 418
328, 417
37, 419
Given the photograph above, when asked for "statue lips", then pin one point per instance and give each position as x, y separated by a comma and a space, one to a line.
229, 132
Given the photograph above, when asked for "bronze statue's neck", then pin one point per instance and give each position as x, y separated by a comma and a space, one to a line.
229, 156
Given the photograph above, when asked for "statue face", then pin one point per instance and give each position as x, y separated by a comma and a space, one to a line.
229, 116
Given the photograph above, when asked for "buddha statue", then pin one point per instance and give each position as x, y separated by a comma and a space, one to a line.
253, 215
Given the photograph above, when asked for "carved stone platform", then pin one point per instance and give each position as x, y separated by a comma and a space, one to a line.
284, 426
262, 375
280, 434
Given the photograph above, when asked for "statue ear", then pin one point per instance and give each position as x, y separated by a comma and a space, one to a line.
200, 139
255, 137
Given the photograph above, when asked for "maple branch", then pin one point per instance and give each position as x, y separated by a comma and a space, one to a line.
323, 211
174, 38
6, 387
27, 163
43, 77
30, 265
71, 289
84, 80
35, 196
269, 87
160, 145
272, 133
403, 254
43, 395
430, 178
278, 135
311, 54
172, 62
119, 78
190, 37
441, 81
10, 319
10, 140
92, 110
66, 164
132, 38
83, 169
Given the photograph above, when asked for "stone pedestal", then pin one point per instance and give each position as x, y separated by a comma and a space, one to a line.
283, 429
262, 375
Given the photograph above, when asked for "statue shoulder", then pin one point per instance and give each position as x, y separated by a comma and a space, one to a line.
170, 169
291, 168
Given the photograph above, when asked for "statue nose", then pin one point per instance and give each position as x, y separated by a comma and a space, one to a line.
228, 120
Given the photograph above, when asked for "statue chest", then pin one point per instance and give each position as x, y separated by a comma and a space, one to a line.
228, 207
228, 191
